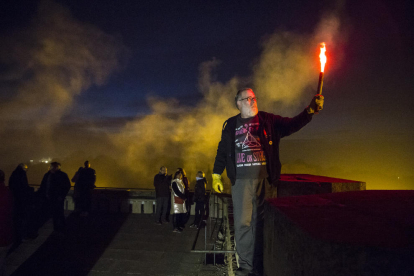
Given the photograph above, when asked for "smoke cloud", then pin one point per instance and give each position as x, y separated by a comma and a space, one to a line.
45, 66
187, 136
50, 63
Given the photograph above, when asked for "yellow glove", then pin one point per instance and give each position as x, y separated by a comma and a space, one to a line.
217, 184
316, 104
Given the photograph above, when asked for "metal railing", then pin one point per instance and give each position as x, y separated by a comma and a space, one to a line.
215, 221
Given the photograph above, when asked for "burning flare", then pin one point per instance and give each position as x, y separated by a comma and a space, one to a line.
322, 56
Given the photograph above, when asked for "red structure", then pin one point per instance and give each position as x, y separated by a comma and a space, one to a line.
306, 184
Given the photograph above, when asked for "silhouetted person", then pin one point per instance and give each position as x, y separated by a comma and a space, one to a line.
75, 179
6, 222
162, 184
199, 198
84, 185
249, 151
53, 189
23, 201
178, 199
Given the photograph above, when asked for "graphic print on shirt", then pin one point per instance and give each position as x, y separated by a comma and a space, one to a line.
249, 150
250, 142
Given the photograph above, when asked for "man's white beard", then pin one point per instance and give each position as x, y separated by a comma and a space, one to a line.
252, 112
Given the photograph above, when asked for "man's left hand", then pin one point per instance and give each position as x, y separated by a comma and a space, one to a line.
316, 104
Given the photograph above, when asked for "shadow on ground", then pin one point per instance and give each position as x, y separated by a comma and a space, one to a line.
78, 250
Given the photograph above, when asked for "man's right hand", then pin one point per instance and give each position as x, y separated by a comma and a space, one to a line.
217, 184
316, 104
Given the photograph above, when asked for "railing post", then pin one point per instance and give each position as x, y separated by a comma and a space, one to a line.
214, 249
148, 209
205, 243
136, 206
69, 203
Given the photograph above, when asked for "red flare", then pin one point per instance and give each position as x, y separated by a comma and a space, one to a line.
322, 56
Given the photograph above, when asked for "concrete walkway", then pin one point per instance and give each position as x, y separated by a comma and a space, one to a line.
111, 244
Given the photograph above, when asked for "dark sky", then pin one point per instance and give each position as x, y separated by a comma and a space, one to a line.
93, 67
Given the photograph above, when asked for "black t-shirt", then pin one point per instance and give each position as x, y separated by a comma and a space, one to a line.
250, 158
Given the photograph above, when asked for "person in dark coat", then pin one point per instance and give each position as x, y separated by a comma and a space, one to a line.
53, 189
23, 200
249, 151
6, 222
162, 184
85, 183
199, 198
75, 196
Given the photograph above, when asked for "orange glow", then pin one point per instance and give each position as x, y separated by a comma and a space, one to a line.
322, 56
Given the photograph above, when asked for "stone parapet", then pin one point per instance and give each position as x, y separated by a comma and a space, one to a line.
132, 201
350, 233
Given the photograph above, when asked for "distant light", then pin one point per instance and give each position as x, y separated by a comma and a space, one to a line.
46, 162
31, 161
398, 178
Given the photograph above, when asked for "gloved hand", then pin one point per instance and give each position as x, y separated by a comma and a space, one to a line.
217, 184
315, 105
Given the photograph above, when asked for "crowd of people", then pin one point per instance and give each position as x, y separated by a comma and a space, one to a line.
23, 211
173, 192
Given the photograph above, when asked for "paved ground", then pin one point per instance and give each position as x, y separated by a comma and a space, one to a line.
111, 244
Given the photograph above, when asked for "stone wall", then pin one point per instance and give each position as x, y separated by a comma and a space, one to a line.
346, 239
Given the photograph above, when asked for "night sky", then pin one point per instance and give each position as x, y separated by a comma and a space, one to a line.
133, 85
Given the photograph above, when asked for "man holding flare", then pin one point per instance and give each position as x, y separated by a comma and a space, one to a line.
249, 150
